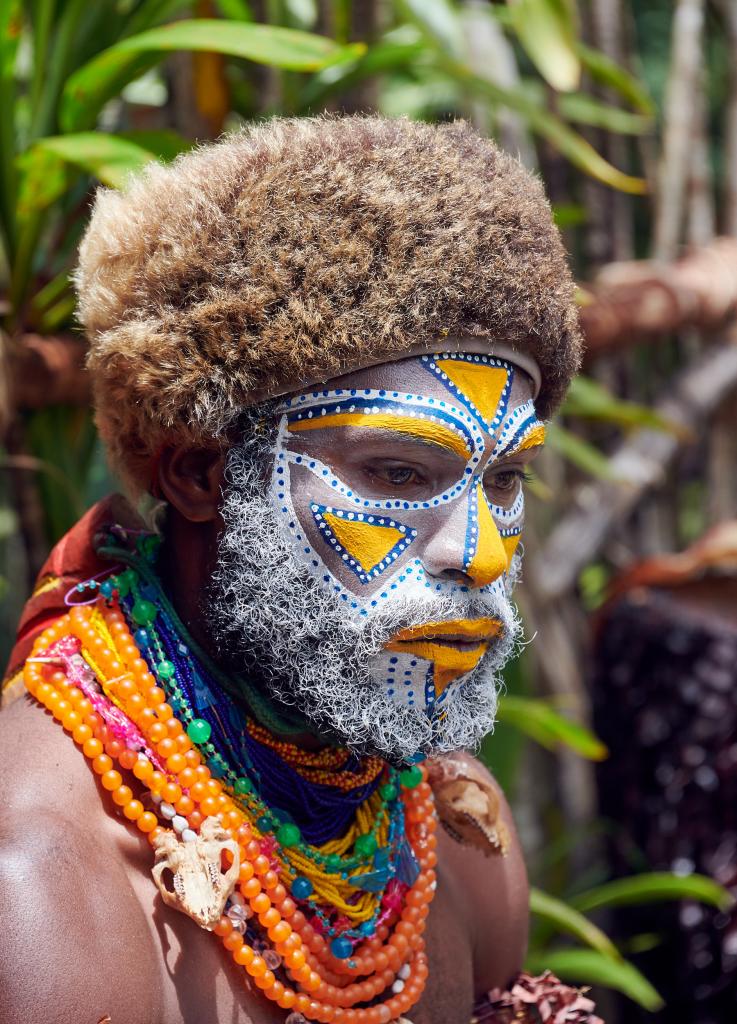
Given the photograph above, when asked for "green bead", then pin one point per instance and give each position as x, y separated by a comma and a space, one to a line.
125, 580
334, 862
288, 834
199, 730
365, 845
388, 791
411, 777
243, 786
144, 612
165, 669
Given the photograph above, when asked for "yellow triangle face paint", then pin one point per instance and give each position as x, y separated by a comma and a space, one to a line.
367, 543
482, 385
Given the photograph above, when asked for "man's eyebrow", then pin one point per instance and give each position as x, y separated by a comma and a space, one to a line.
408, 427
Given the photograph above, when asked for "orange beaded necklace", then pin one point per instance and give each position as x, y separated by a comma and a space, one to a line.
390, 965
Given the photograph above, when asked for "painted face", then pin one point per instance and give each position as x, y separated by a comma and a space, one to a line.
404, 481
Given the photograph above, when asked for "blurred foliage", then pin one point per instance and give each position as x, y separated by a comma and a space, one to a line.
91, 92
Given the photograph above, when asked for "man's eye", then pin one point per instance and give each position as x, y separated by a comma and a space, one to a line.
397, 476
507, 480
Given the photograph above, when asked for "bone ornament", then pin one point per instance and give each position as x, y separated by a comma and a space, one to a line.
201, 887
467, 804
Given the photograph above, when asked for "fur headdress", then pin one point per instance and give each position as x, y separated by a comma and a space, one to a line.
299, 249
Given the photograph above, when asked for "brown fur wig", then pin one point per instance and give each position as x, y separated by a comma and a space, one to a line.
299, 249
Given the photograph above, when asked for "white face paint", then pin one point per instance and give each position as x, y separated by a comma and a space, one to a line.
369, 543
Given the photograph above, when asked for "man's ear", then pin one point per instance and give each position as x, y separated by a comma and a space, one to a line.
191, 479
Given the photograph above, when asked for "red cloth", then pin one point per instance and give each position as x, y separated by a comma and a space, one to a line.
71, 561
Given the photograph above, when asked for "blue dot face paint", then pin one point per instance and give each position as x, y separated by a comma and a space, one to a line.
408, 487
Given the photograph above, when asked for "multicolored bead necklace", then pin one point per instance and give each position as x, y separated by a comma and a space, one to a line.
320, 929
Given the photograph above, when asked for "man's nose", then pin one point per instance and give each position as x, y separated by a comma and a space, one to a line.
467, 548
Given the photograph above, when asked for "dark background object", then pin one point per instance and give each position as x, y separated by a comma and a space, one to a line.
665, 702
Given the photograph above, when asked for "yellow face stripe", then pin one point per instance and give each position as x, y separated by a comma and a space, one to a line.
533, 439
449, 662
490, 560
510, 545
425, 430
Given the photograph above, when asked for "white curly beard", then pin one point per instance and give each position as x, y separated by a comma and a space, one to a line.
269, 615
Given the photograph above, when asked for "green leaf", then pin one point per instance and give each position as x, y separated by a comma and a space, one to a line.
236, 10
589, 967
423, 100
606, 71
89, 88
108, 158
582, 454
10, 32
590, 399
150, 13
439, 22
585, 109
538, 720
546, 30
388, 55
569, 215
43, 178
654, 887
583, 155
566, 919
541, 121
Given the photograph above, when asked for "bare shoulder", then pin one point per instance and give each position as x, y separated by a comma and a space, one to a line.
494, 892
75, 946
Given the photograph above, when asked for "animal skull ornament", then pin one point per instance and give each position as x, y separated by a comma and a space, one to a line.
200, 888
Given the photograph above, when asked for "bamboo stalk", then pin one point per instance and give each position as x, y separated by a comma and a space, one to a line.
682, 86
729, 11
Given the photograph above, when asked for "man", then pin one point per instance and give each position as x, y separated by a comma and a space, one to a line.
322, 351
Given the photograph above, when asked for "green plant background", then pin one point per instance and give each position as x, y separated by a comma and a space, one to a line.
92, 91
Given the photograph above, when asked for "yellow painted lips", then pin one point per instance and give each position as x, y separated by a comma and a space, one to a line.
433, 641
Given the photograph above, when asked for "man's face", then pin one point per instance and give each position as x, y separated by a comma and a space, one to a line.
398, 492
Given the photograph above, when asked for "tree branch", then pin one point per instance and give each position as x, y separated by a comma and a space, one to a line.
637, 466
48, 371
630, 301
